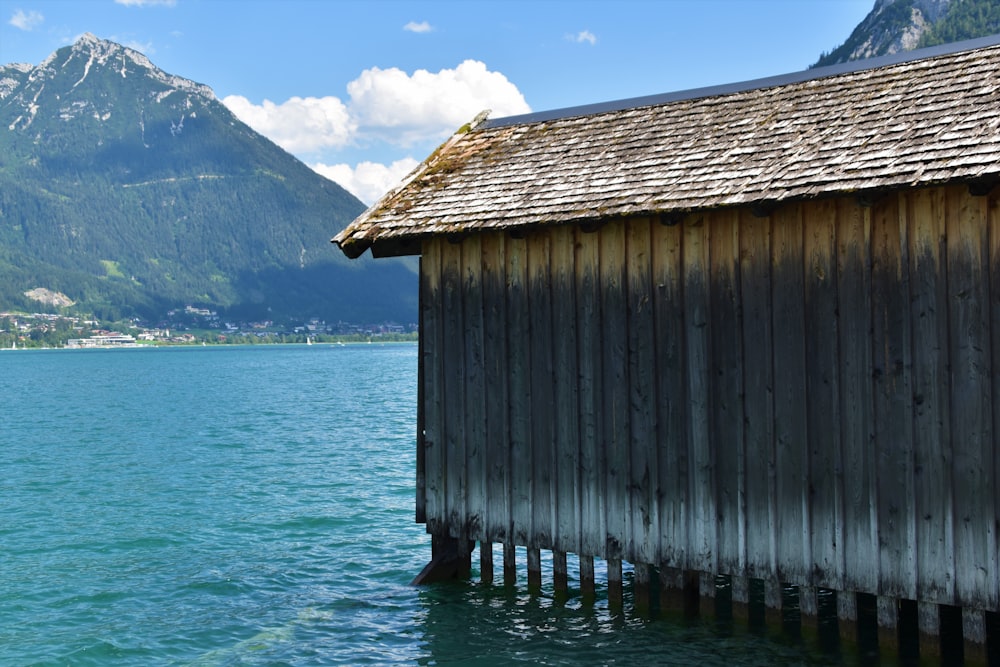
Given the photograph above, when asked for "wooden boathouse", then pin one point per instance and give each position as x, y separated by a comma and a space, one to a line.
749, 332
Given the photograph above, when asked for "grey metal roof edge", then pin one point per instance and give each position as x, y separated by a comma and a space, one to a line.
743, 86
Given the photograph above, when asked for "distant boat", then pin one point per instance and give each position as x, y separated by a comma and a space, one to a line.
309, 341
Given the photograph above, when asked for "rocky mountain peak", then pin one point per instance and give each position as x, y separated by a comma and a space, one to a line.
902, 25
75, 77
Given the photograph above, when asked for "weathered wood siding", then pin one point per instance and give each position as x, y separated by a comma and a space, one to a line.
806, 396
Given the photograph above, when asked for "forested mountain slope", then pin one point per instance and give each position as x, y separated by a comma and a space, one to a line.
133, 191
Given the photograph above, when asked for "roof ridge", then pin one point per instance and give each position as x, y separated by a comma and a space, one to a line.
898, 58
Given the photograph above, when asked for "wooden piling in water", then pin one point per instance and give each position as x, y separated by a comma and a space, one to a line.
892, 627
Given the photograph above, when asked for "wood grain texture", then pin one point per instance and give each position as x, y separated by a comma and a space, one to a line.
805, 397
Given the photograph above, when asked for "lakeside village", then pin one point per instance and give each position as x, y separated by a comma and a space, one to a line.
190, 326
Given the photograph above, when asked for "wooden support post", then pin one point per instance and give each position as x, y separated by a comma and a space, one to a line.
451, 558
534, 569
671, 589
509, 564
641, 587
486, 562
741, 597
772, 603
809, 608
587, 586
974, 637
706, 587
929, 627
847, 615
888, 625
560, 577
615, 598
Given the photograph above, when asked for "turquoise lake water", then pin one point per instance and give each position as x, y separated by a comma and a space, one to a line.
254, 506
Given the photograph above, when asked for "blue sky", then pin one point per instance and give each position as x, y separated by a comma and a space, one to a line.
362, 91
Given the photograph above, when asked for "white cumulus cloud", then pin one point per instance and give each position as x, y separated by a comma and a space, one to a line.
28, 21
367, 181
386, 105
405, 109
386, 108
299, 125
583, 36
414, 26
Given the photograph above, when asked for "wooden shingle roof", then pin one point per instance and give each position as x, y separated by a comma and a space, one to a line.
930, 117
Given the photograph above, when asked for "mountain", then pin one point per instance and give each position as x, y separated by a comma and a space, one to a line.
902, 25
132, 192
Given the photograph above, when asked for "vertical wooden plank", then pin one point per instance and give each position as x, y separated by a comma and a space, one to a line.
823, 405
790, 427
701, 491
587, 274
861, 550
726, 388
993, 225
432, 337
643, 506
671, 400
614, 382
567, 438
931, 432
453, 364
971, 401
891, 360
420, 507
519, 384
477, 500
541, 393
758, 379
498, 472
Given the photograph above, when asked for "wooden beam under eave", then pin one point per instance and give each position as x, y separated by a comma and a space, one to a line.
397, 247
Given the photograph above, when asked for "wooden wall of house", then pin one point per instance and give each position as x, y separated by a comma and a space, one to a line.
807, 395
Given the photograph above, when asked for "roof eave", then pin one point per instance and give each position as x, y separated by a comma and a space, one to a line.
351, 241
